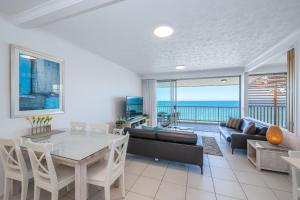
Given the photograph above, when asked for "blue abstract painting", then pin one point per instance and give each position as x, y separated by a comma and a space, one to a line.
39, 83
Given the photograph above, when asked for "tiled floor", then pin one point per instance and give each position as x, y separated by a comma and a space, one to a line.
230, 177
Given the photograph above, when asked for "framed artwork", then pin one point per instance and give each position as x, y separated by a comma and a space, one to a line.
37, 86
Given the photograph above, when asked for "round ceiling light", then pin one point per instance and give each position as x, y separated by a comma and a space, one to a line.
163, 31
179, 67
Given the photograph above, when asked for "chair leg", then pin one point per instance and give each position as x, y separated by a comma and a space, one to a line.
107, 192
37, 192
69, 188
11, 187
24, 190
54, 195
7, 186
122, 184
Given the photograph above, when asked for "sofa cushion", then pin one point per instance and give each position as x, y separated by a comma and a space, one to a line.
229, 122
251, 129
237, 124
141, 133
177, 137
258, 125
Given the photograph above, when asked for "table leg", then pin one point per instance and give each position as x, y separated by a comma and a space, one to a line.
80, 180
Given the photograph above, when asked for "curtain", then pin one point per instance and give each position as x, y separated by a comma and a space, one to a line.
291, 90
149, 95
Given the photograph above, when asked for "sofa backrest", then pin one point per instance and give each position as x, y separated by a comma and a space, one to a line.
176, 137
167, 136
246, 121
141, 133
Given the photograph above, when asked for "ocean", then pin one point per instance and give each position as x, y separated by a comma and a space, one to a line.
211, 111
202, 103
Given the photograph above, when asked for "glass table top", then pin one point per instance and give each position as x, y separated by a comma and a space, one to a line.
75, 145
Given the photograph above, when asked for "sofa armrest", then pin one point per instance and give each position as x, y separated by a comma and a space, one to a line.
240, 140
222, 124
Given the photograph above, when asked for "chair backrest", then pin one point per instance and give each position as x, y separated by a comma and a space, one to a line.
117, 155
99, 127
12, 157
42, 163
78, 126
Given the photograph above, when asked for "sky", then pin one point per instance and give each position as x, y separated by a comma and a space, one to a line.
205, 93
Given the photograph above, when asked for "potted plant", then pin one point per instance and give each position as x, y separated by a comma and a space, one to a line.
146, 115
121, 123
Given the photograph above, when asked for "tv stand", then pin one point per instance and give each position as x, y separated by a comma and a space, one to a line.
137, 122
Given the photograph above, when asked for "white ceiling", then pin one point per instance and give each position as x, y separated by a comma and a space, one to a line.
208, 34
13, 7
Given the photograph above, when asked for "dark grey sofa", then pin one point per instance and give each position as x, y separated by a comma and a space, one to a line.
167, 145
237, 138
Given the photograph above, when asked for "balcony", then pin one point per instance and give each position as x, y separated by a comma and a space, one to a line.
266, 114
215, 114
199, 113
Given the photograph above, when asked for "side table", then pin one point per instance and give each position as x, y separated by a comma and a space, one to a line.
264, 155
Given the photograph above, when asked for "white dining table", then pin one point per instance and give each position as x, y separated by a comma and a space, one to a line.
77, 149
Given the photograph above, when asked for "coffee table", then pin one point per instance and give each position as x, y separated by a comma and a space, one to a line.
180, 129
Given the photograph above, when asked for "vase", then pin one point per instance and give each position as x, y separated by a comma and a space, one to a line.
274, 135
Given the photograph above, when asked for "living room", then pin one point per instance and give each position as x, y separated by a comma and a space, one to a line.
214, 86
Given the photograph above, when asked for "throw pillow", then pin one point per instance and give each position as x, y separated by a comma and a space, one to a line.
229, 122
237, 124
251, 129
263, 131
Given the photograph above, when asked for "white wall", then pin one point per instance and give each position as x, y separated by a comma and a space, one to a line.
94, 86
292, 41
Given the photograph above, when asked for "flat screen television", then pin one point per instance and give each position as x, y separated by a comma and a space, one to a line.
134, 107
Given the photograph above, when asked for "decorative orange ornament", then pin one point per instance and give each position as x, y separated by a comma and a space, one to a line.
274, 135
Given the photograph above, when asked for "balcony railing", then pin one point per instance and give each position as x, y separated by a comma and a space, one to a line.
202, 113
221, 114
266, 114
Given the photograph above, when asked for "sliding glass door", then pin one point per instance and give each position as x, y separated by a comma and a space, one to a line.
208, 100
166, 101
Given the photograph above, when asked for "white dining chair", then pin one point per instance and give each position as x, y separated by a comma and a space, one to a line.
105, 173
47, 176
15, 167
295, 176
99, 128
78, 126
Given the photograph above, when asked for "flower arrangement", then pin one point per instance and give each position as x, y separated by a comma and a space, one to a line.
146, 115
121, 123
40, 124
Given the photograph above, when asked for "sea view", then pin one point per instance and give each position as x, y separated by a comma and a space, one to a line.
202, 103
211, 111
220, 111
